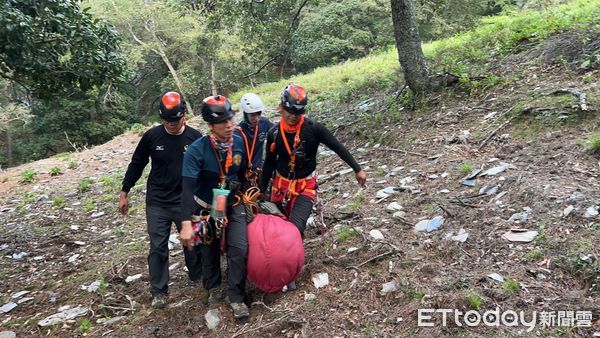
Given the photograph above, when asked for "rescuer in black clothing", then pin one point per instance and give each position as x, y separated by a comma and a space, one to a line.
165, 145
292, 146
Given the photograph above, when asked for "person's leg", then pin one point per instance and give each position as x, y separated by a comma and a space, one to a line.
159, 227
237, 257
211, 265
300, 212
237, 253
193, 259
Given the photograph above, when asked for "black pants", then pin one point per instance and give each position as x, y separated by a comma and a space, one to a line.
159, 220
236, 236
300, 212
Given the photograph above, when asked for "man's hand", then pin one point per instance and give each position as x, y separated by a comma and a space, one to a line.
361, 177
123, 203
186, 235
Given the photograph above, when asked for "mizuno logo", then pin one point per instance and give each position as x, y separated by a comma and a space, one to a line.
160, 147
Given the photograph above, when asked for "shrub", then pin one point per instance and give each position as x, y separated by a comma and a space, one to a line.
28, 176
55, 171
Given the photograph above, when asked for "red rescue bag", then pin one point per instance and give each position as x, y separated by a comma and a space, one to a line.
275, 252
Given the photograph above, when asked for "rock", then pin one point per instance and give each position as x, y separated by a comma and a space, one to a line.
520, 235
63, 316
567, 211
385, 192
406, 181
435, 223
79, 243
432, 176
393, 207
399, 215
8, 334
444, 175
496, 277
473, 174
23, 300
309, 296
109, 321
19, 256
488, 190
173, 266
19, 294
6, 308
591, 212
388, 288
497, 170
352, 249
73, 258
470, 182
320, 279
130, 279
421, 226
520, 217
213, 319
461, 236
576, 196
376, 234
93, 287
444, 191
174, 238
97, 214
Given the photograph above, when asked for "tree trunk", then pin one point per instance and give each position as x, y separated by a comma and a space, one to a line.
9, 147
408, 43
213, 78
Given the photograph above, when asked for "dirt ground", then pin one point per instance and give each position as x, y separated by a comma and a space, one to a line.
61, 233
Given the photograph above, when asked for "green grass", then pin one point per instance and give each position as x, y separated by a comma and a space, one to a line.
55, 171
72, 165
84, 185
346, 234
84, 325
475, 301
511, 286
533, 255
58, 201
28, 176
463, 54
465, 168
357, 201
593, 143
89, 205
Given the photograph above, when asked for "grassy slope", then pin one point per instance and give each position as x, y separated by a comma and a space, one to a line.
428, 281
463, 54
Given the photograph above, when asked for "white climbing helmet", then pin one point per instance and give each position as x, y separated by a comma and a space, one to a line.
251, 104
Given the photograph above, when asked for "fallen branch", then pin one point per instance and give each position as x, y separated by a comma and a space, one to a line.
490, 135
581, 96
373, 259
406, 152
244, 331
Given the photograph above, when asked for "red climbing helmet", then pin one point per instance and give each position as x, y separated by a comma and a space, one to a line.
216, 109
172, 106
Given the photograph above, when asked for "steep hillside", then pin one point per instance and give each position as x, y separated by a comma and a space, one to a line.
62, 233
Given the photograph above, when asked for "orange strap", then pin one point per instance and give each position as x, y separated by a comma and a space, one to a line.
249, 151
228, 160
293, 189
283, 127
